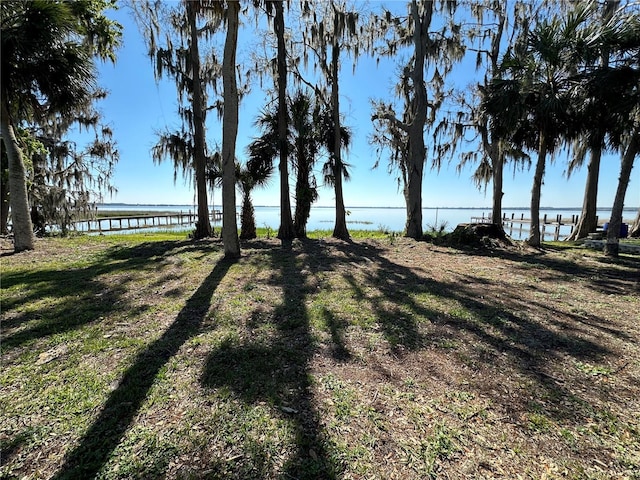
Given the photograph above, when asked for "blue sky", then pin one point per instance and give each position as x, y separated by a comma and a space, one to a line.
138, 106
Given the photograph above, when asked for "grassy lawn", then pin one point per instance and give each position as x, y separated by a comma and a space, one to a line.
149, 356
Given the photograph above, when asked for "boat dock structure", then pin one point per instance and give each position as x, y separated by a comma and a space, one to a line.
556, 227
133, 222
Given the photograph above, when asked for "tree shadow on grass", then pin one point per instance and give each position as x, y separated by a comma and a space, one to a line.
413, 312
623, 278
514, 332
79, 295
276, 371
104, 435
503, 337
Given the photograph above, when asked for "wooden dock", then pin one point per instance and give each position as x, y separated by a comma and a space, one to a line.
558, 228
135, 222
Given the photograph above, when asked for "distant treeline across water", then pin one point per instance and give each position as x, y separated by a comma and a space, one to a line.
376, 218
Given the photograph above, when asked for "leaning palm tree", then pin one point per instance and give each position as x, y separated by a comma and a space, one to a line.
632, 150
609, 103
615, 88
43, 68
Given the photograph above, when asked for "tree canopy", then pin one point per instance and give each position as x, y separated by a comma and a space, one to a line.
48, 72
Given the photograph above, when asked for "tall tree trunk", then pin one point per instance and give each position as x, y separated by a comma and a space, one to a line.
203, 225
588, 221
38, 167
634, 231
340, 228
417, 150
612, 246
23, 238
229, 134
534, 233
494, 147
286, 230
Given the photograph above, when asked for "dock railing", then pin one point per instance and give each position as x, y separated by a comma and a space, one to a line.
558, 228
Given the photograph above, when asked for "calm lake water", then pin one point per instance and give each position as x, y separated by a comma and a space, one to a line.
392, 219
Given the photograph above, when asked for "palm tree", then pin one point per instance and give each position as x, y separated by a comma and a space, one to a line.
255, 173
305, 146
554, 90
303, 142
494, 153
530, 103
592, 141
263, 150
631, 152
614, 88
608, 103
43, 67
